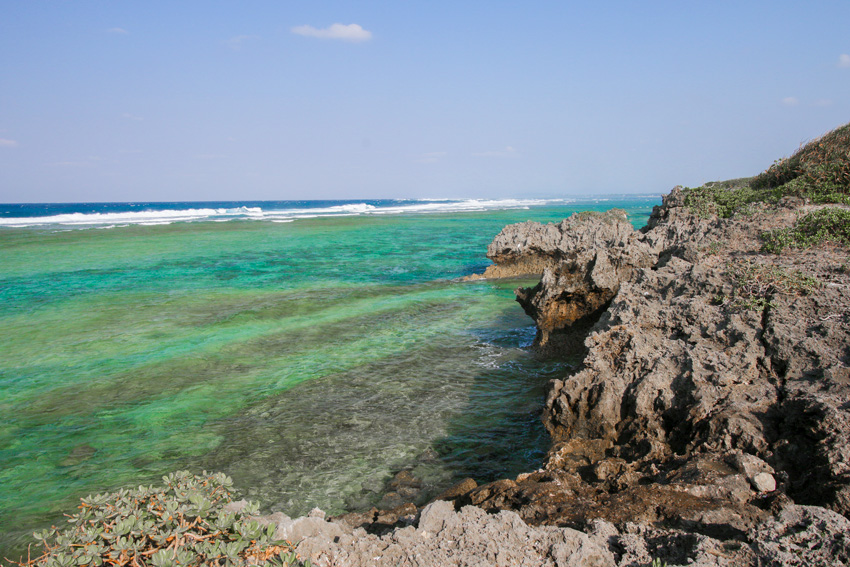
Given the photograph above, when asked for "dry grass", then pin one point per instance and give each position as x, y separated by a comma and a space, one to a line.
819, 169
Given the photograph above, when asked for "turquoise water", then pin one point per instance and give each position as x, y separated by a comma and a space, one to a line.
310, 360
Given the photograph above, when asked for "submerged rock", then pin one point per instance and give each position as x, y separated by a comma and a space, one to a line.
78, 454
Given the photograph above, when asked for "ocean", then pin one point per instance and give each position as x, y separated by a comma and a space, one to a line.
308, 349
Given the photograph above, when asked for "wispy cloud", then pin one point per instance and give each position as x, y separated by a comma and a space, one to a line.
129, 116
4, 143
790, 101
431, 157
844, 60
507, 152
350, 32
823, 102
118, 31
236, 42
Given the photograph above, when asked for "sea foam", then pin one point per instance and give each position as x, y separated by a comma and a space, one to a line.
275, 212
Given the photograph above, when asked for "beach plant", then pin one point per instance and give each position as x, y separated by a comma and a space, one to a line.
757, 283
713, 248
818, 172
720, 198
185, 522
610, 216
830, 224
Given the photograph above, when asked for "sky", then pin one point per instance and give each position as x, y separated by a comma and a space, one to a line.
309, 99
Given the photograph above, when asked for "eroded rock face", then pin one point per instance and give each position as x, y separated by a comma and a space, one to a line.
668, 371
582, 261
712, 394
523, 241
803, 535
708, 422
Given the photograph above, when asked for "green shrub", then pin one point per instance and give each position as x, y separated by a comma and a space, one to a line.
818, 172
717, 199
610, 216
184, 522
830, 224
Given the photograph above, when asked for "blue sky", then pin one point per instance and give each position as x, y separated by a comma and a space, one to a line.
209, 100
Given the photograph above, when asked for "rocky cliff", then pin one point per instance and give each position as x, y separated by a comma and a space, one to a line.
714, 388
707, 423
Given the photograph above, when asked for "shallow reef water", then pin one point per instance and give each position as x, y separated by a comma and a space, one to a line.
310, 360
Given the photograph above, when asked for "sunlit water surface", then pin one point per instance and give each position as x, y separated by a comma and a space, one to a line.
310, 360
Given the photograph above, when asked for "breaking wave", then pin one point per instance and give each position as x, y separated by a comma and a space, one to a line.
276, 211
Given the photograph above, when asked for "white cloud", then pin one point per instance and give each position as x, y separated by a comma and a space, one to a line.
235, 42
119, 31
350, 32
844, 60
129, 116
4, 143
823, 102
431, 157
507, 152
790, 101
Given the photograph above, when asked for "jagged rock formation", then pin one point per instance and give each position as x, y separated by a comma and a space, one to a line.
440, 536
708, 422
581, 261
714, 382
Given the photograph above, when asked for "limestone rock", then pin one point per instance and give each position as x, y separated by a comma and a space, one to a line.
457, 490
587, 256
308, 527
444, 537
803, 535
693, 404
764, 482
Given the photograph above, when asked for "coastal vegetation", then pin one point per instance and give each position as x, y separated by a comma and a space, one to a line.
757, 283
187, 521
818, 172
831, 224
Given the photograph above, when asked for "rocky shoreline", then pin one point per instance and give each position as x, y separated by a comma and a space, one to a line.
707, 421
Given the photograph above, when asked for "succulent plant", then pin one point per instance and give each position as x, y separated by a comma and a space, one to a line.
185, 522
